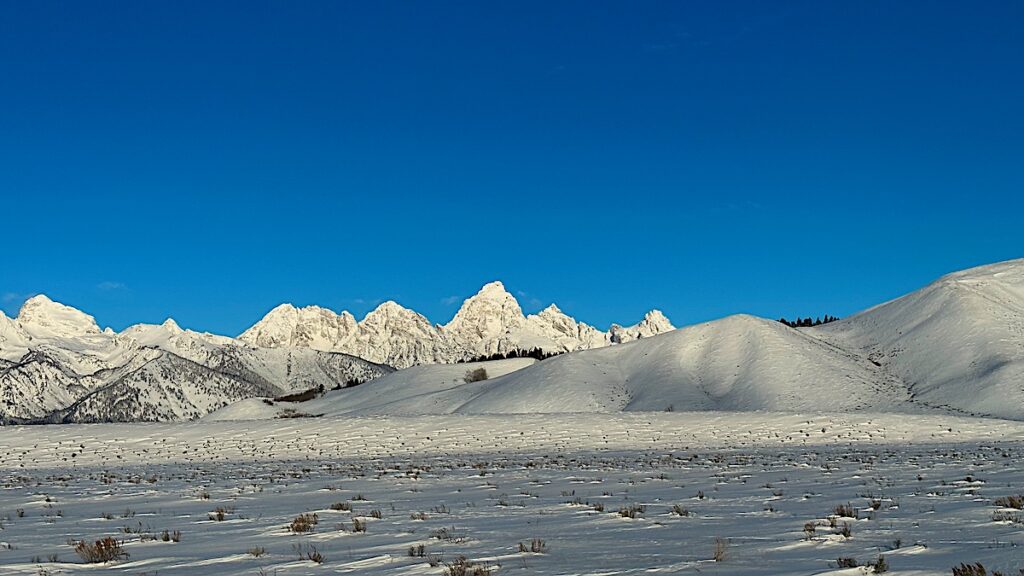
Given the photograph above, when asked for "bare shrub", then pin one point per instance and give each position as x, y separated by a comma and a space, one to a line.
463, 566
632, 511
537, 546
1010, 517
844, 511
257, 551
475, 375
970, 570
1010, 502
418, 551
314, 555
219, 513
721, 550
341, 507
450, 535
847, 562
101, 551
304, 523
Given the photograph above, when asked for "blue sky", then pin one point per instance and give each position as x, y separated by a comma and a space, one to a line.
209, 160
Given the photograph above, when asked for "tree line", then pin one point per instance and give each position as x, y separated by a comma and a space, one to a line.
535, 353
808, 322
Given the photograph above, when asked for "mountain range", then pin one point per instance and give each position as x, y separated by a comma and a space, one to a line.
955, 346
489, 322
57, 365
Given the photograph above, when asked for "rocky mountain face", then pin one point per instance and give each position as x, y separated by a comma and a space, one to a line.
489, 322
56, 365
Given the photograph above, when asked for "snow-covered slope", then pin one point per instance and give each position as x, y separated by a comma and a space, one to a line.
738, 363
57, 365
415, 390
489, 322
956, 346
957, 343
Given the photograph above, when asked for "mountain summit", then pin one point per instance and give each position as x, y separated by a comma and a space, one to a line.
491, 321
43, 317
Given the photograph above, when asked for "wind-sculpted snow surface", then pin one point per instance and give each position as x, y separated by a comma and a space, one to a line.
655, 493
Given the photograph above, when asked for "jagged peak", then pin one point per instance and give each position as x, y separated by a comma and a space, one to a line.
61, 320
391, 308
171, 326
389, 305
483, 307
551, 310
656, 316
552, 314
493, 290
39, 298
283, 308
288, 310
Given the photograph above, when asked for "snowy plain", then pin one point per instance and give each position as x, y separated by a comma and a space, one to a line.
759, 488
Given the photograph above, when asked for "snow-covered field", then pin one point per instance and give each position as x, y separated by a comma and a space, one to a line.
759, 488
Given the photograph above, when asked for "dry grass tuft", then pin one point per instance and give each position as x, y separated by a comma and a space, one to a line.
304, 523
101, 551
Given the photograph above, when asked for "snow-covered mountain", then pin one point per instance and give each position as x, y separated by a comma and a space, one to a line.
955, 346
57, 365
489, 322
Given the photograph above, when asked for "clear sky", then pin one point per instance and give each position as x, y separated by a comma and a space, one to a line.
209, 160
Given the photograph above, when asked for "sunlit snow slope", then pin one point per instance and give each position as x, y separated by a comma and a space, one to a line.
956, 345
